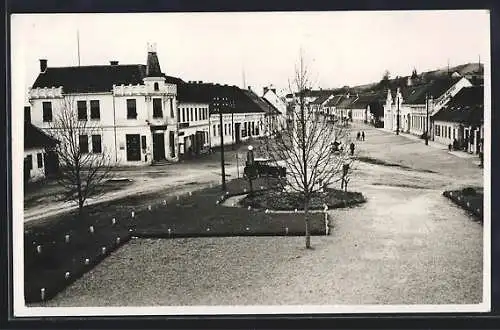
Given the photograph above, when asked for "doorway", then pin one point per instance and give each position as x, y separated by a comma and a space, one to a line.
237, 131
158, 146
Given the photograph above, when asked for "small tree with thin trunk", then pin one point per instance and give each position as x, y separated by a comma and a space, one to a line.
307, 149
84, 167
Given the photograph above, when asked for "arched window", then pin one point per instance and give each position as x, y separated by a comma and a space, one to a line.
156, 87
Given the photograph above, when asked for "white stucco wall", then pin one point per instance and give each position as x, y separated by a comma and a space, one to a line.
36, 173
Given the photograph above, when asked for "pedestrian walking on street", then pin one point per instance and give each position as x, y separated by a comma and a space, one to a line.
358, 135
352, 148
363, 135
345, 171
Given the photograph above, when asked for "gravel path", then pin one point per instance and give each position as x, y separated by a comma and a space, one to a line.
378, 253
407, 245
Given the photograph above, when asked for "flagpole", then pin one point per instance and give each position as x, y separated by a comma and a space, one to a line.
78, 44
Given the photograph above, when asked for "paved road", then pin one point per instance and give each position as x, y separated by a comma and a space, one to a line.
149, 179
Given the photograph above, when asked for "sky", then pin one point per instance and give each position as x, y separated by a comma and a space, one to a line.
258, 49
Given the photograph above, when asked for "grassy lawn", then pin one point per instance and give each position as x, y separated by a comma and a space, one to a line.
470, 199
52, 262
275, 200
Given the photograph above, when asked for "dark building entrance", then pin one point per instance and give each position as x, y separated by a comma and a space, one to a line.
51, 162
158, 146
237, 132
133, 147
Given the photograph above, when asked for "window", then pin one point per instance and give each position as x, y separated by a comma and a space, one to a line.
449, 132
183, 115
96, 144
156, 87
219, 129
200, 113
82, 110
195, 114
191, 117
47, 111
178, 115
83, 142
143, 142
27, 114
95, 112
230, 129
171, 108
157, 110
39, 160
29, 162
214, 130
131, 109
225, 129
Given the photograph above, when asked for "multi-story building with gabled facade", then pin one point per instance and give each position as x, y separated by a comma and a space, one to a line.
135, 107
412, 103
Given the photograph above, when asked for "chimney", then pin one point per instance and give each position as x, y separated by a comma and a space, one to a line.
274, 90
113, 62
250, 88
200, 81
409, 82
43, 65
265, 90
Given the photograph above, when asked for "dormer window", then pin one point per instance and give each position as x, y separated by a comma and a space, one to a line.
156, 86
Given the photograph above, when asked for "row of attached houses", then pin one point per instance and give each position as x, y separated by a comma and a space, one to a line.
145, 116
461, 122
348, 107
411, 108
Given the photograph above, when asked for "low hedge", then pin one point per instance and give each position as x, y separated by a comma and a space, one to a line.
276, 200
469, 199
189, 215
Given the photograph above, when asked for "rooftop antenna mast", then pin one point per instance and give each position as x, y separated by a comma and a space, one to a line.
243, 77
78, 44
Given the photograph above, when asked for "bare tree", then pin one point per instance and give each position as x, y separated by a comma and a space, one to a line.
83, 170
308, 150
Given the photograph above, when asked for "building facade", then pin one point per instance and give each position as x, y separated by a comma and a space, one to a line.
134, 107
410, 109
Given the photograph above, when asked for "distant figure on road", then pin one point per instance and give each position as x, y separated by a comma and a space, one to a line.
345, 171
352, 148
358, 135
363, 135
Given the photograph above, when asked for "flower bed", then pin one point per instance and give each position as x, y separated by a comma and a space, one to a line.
53, 260
276, 200
470, 199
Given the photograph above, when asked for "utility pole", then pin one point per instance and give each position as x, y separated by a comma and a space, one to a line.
217, 105
426, 119
397, 116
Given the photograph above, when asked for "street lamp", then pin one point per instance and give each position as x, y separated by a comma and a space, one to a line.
426, 119
397, 116
250, 165
218, 105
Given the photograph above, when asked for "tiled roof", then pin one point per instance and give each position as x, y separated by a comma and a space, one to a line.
333, 101
346, 102
363, 101
466, 107
272, 108
206, 92
261, 102
35, 138
95, 78
434, 88
321, 99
